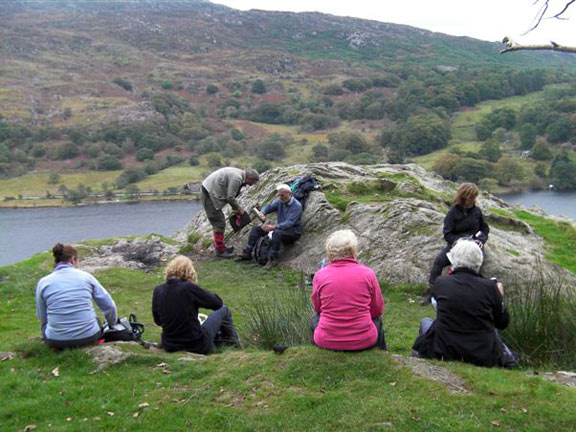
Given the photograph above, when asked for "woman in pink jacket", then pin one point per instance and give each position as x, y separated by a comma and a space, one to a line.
347, 299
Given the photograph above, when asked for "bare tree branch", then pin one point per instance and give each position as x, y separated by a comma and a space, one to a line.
541, 15
566, 6
553, 46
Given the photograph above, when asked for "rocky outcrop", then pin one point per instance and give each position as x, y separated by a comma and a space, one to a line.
138, 254
397, 211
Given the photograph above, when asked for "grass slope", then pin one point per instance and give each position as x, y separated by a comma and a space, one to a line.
306, 389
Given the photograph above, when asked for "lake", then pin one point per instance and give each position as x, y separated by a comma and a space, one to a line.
24, 232
558, 203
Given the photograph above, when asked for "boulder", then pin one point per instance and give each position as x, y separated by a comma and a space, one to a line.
397, 212
142, 253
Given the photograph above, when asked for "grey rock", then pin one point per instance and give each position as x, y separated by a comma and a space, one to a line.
109, 354
137, 254
399, 230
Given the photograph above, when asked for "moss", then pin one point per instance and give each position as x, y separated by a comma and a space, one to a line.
344, 217
513, 252
207, 242
193, 238
500, 212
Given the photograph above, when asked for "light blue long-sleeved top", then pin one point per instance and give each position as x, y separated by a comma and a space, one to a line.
64, 304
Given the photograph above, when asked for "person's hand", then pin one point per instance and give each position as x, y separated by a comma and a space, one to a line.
268, 227
500, 287
479, 243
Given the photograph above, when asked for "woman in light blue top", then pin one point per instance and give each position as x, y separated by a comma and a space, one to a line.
64, 303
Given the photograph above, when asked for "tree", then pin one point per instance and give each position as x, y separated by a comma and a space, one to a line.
541, 151
472, 170
528, 135
54, 178
490, 151
144, 154
212, 89
508, 169
258, 87
108, 163
132, 191
559, 131
563, 170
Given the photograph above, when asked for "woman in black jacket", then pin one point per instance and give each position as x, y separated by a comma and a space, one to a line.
469, 309
463, 220
175, 307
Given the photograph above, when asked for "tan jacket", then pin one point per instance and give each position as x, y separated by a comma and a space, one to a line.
224, 185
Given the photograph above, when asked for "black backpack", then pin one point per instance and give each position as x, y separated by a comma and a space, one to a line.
302, 186
261, 249
126, 329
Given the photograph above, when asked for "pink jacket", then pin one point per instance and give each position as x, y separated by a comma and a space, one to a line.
347, 297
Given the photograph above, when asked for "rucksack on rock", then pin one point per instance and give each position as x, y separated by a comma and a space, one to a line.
261, 249
126, 329
302, 186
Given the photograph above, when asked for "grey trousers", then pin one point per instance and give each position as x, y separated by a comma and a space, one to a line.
215, 217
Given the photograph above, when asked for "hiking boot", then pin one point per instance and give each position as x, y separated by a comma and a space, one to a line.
224, 253
272, 263
244, 256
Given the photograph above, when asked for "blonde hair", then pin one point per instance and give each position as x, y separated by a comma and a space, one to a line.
181, 267
341, 244
464, 192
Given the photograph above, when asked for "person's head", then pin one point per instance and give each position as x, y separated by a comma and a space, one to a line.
252, 176
284, 192
182, 268
65, 254
341, 244
466, 195
466, 254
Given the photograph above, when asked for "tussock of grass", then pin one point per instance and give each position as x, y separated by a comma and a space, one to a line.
543, 322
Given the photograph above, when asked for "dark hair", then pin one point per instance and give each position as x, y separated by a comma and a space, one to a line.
63, 253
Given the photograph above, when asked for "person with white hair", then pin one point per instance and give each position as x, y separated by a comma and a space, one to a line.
221, 188
347, 299
469, 310
286, 230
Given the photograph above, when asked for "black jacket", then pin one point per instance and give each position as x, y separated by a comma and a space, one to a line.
175, 308
460, 223
469, 309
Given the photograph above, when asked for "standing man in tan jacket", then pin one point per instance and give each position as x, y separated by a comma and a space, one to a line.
221, 188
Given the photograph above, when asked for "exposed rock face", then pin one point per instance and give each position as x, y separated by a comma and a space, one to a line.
397, 212
137, 254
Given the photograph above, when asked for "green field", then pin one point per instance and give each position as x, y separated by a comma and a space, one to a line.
305, 389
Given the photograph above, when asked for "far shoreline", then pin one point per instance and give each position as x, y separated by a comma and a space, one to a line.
60, 203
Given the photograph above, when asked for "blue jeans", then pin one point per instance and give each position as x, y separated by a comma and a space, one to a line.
220, 329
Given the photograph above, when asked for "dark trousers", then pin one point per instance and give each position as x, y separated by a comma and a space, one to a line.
440, 262
75, 343
380, 341
220, 329
279, 237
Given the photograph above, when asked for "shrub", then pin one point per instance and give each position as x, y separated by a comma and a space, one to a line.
212, 89
258, 87
125, 84
144, 154
280, 318
542, 322
108, 163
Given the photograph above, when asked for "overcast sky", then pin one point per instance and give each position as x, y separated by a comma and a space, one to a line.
489, 20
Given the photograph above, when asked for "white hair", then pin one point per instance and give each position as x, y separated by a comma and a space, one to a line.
341, 244
283, 186
466, 254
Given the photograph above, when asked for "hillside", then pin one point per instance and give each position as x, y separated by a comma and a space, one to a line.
112, 85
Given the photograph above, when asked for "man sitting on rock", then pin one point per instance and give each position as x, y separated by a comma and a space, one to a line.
287, 230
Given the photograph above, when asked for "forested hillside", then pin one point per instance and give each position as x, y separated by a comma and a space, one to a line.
132, 88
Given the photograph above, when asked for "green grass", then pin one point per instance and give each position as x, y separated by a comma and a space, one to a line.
560, 238
305, 389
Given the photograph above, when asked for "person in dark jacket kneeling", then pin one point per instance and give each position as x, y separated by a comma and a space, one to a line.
469, 309
175, 306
